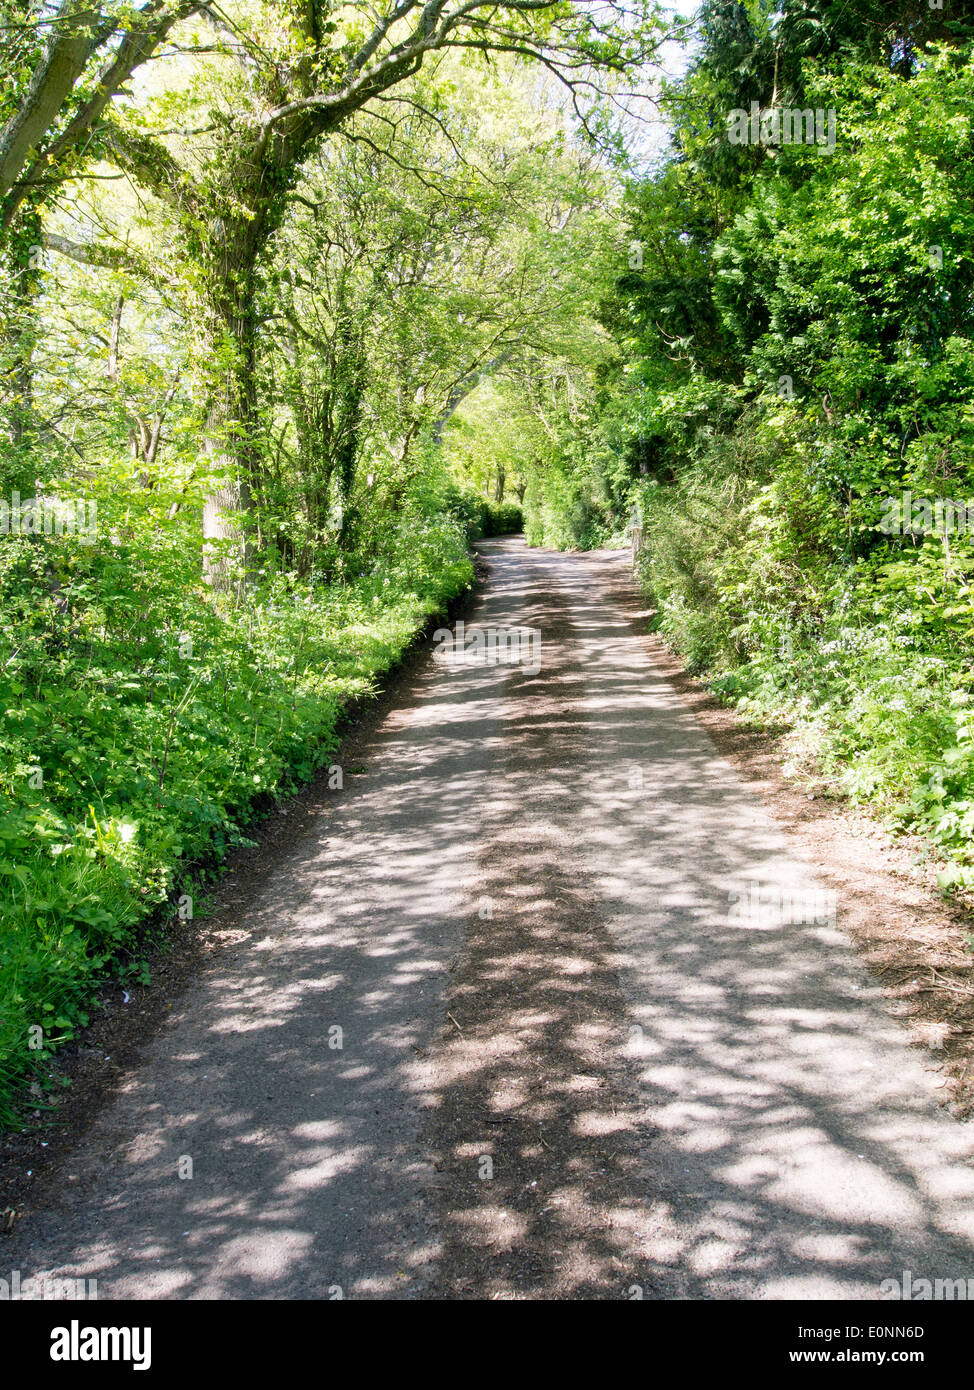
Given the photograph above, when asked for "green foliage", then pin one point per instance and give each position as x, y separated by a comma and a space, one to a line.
330, 364
479, 516
796, 350
246, 351
504, 519
143, 726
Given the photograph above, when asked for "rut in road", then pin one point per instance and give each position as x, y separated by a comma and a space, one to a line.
520, 917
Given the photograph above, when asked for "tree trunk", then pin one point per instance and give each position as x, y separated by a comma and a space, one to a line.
231, 431
20, 327
71, 43
228, 506
226, 549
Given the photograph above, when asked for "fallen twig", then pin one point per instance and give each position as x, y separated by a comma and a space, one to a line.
948, 984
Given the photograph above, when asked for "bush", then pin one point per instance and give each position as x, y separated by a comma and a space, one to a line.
750, 559
144, 722
480, 517
503, 519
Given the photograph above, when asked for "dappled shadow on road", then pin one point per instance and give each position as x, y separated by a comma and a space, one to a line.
759, 1128
534, 1129
307, 1176
674, 1100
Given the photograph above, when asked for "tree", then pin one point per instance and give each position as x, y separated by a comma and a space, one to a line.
301, 73
416, 262
53, 110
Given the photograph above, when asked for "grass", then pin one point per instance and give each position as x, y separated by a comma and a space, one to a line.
143, 725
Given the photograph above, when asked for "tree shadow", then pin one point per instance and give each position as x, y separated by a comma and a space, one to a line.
532, 960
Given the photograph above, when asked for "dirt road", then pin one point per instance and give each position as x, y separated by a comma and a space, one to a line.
539, 1004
